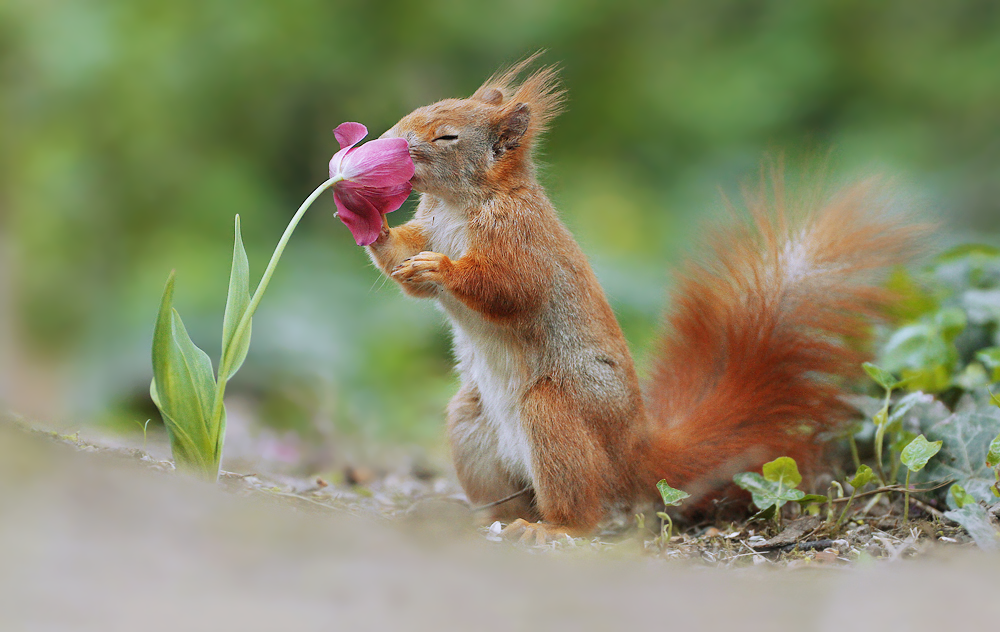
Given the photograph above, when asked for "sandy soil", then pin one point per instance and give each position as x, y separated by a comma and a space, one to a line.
96, 539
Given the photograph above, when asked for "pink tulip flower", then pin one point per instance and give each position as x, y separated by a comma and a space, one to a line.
376, 180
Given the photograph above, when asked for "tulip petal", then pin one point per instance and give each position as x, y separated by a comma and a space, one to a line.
361, 217
337, 162
350, 134
379, 163
387, 199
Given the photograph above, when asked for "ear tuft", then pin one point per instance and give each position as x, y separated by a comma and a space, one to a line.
539, 93
511, 128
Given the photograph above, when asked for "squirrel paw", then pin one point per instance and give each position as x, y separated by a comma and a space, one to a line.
537, 533
424, 267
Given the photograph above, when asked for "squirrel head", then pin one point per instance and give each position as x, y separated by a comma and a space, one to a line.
466, 150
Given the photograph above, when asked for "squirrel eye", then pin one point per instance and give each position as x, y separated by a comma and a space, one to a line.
446, 137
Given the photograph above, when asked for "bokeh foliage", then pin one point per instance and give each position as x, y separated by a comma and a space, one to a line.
132, 132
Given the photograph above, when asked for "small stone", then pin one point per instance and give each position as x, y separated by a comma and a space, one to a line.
827, 556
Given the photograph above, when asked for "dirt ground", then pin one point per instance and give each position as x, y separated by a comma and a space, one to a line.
93, 538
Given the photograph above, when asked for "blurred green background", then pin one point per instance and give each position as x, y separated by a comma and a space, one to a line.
131, 132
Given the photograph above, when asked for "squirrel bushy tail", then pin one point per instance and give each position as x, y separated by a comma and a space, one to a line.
764, 332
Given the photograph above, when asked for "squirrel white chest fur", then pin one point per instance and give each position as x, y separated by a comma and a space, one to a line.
487, 355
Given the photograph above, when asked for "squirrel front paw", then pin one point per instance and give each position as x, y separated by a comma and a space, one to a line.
422, 268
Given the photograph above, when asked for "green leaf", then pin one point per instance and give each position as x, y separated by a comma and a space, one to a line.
901, 439
810, 499
932, 379
906, 403
671, 497
764, 514
983, 306
234, 351
783, 471
967, 436
767, 493
963, 251
183, 389
863, 477
990, 357
916, 454
993, 452
881, 417
884, 378
922, 354
950, 322
960, 496
976, 521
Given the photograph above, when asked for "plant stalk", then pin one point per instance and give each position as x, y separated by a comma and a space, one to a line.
843, 514
906, 499
854, 450
220, 386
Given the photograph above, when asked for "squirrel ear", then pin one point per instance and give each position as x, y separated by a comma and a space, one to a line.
492, 96
511, 128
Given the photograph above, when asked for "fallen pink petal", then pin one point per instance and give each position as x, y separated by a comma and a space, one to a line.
376, 180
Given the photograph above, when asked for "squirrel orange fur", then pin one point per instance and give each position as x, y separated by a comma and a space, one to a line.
749, 368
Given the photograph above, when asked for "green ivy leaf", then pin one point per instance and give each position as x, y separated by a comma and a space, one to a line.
932, 379
767, 493
183, 388
863, 477
784, 471
993, 453
764, 514
671, 497
905, 404
881, 417
884, 378
950, 322
960, 496
810, 499
923, 353
990, 357
967, 436
983, 306
234, 351
916, 454
976, 521
901, 439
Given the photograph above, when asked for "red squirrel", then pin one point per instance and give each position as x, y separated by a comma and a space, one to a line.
757, 343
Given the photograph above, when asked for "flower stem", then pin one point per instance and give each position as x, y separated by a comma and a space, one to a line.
220, 387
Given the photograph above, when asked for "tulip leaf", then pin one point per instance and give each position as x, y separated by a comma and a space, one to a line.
234, 351
916, 454
671, 497
863, 477
183, 389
